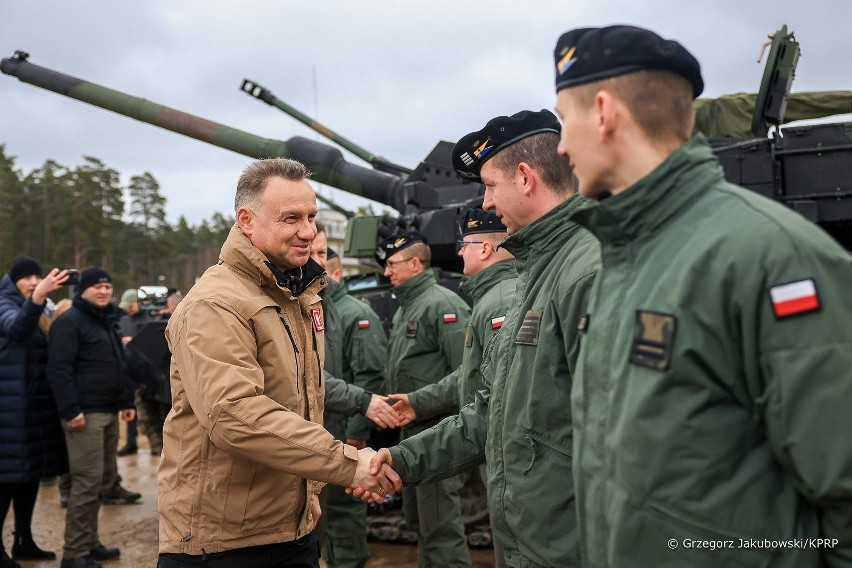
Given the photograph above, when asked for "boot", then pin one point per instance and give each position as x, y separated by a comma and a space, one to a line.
5, 561
119, 494
26, 549
128, 449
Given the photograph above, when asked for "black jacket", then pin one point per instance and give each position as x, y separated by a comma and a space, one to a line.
31, 441
86, 367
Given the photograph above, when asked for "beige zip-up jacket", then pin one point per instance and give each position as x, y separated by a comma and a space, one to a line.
245, 433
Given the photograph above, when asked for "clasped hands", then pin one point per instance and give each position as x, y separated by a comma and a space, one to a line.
374, 477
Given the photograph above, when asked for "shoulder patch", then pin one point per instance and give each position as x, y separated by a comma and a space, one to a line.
411, 329
450, 318
794, 298
497, 323
528, 332
316, 317
363, 324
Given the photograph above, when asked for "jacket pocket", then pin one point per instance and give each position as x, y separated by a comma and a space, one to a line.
539, 445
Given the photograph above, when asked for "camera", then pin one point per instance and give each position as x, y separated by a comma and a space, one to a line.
73, 277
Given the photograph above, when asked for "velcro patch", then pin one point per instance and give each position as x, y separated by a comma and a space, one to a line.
653, 340
450, 318
497, 323
363, 324
468, 336
528, 332
316, 316
411, 329
794, 298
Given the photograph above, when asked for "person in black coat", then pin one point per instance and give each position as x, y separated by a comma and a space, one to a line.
31, 440
88, 376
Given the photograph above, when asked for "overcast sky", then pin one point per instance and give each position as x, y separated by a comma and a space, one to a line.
393, 76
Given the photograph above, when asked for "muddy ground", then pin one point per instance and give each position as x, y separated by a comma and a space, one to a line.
133, 528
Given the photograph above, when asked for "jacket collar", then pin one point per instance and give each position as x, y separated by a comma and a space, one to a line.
107, 316
550, 231
336, 290
10, 291
416, 286
240, 255
649, 203
477, 285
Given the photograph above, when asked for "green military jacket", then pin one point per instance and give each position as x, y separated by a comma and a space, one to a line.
491, 290
713, 399
426, 340
521, 423
364, 348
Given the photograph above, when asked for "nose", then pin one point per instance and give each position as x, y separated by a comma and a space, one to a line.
561, 150
387, 271
488, 202
307, 231
460, 252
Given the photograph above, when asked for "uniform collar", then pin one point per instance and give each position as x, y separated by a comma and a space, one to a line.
549, 231
240, 255
477, 285
649, 203
416, 286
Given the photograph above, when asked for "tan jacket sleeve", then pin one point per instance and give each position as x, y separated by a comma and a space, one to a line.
215, 352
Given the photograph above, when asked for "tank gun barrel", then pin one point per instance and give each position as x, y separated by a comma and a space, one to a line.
327, 163
263, 94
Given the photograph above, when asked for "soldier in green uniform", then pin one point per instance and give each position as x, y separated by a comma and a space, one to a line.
491, 286
521, 425
363, 347
425, 344
713, 398
354, 358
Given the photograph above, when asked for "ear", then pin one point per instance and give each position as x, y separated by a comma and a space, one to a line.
337, 274
527, 176
487, 250
607, 108
245, 220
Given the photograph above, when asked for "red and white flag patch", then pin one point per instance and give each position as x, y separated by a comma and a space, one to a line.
450, 318
363, 324
497, 323
794, 298
316, 316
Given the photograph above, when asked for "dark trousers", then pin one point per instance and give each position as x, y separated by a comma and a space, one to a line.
23, 495
301, 553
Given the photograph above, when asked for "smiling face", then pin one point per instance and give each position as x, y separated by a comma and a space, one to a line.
281, 222
503, 195
319, 249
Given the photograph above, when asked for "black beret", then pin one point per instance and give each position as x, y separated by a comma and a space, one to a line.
481, 221
331, 254
22, 267
476, 148
585, 55
395, 243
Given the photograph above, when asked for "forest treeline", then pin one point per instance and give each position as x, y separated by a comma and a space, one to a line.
75, 217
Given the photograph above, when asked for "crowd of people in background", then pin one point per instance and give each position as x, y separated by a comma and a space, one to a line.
64, 380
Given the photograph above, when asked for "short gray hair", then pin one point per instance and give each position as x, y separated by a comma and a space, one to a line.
253, 180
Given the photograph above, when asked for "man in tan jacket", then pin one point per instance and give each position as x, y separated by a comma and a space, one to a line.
245, 453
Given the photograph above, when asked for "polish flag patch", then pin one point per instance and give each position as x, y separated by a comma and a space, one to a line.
497, 323
316, 316
450, 318
363, 324
794, 298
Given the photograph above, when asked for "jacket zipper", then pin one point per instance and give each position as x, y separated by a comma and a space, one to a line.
296, 352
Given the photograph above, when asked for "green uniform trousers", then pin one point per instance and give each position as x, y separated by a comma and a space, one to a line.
434, 511
345, 541
91, 459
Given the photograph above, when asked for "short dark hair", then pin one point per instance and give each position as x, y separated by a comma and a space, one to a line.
253, 180
539, 151
422, 252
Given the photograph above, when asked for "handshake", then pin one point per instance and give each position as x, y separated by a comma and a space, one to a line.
374, 477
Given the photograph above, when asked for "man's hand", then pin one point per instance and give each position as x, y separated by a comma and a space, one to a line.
316, 510
404, 411
373, 487
381, 412
360, 444
128, 414
380, 469
78, 422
